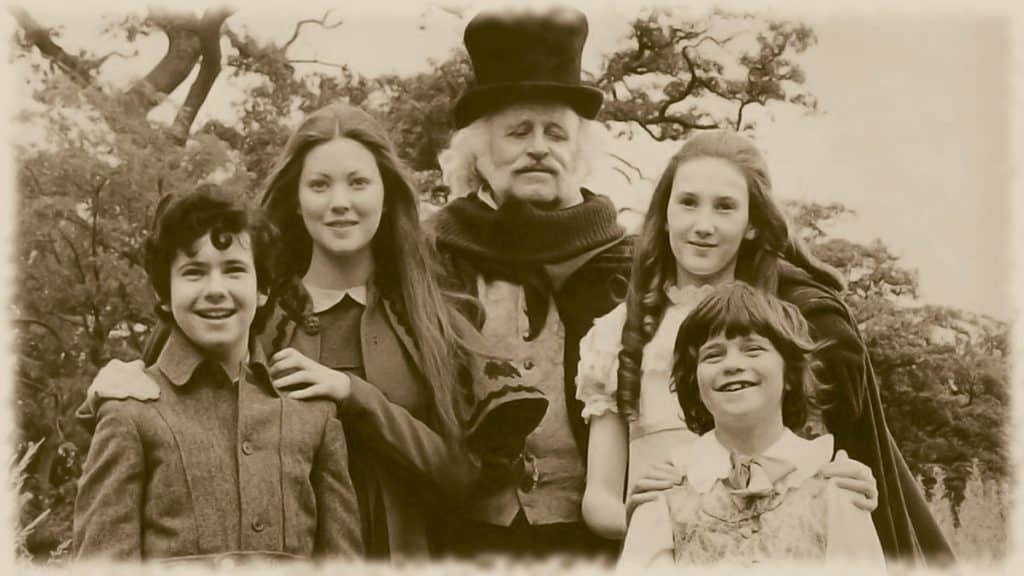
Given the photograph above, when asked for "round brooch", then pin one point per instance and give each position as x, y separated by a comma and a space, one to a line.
311, 325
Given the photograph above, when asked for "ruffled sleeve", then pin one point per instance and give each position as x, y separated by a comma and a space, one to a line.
597, 378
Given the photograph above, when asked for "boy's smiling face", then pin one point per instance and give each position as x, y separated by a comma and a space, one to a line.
741, 379
214, 295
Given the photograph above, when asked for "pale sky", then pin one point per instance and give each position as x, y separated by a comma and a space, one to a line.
912, 132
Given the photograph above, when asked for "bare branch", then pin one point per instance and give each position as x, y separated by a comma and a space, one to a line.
322, 22
629, 164
721, 43
315, 61
450, 8
95, 64
183, 51
209, 68
74, 254
95, 220
50, 329
131, 256
39, 36
73, 320
659, 138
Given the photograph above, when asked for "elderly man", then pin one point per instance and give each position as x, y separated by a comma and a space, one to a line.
543, 256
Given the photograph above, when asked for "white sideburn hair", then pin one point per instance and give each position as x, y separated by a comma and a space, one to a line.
458, 161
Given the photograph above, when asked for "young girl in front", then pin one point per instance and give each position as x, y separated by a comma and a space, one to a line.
752, 489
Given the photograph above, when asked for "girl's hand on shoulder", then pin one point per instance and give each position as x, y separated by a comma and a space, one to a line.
853, 476
656, 480
119, 380
299, 377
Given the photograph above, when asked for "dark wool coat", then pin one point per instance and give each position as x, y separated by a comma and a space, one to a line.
413, 470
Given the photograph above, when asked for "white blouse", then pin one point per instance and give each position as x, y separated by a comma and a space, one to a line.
597, 378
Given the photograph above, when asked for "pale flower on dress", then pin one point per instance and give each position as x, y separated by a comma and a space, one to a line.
660, 426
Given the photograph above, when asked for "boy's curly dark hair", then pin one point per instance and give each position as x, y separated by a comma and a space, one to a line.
182, 219
738, 309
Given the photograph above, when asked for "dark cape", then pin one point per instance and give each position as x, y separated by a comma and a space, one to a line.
904, 523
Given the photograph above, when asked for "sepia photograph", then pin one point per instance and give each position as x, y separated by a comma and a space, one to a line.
627, 286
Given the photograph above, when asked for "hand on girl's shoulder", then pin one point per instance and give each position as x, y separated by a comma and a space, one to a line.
119, 380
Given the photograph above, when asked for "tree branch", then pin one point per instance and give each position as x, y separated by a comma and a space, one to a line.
130, 256
720, 43
177, 62
52, 331
629, 164
316, 61
298, 27
95, 219
208, 32
74, 254
39, 36
659, 138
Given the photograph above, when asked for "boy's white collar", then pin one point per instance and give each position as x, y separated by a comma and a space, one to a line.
706, 461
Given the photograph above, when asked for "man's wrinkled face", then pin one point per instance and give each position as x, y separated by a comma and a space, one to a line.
532, 153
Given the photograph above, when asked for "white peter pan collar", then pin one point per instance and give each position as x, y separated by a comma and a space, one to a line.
706, 461
687, 295
325, 298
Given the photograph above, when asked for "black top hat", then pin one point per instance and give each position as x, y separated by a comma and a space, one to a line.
526, 55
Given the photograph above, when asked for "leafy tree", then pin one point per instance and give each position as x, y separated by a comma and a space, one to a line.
942, 371
682, 73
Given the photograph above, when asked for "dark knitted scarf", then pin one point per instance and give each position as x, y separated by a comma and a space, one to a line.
514, 242
519, 233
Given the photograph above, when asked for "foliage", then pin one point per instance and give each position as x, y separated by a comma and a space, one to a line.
681, 73
942, 372
980, 536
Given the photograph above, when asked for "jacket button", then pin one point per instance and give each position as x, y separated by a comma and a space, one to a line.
311, 325
531, 474
258, 525
247, 448
528, 364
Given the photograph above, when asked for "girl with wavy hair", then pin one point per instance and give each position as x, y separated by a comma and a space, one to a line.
712, 219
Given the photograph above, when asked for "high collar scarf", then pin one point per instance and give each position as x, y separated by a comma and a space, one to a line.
519, 233
532, 247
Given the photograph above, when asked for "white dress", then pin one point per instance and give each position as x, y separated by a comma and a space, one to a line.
660, 426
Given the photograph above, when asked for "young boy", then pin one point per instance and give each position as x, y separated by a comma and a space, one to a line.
219, 465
